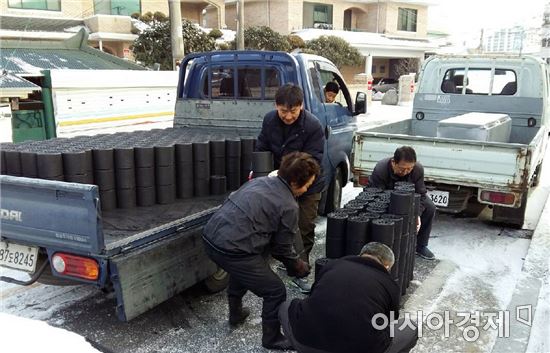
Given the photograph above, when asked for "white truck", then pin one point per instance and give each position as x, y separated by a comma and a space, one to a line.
466, 173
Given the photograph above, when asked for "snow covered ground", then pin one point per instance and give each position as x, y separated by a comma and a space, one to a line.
16, 331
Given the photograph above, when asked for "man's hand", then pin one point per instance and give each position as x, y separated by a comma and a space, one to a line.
300, 269
418, 224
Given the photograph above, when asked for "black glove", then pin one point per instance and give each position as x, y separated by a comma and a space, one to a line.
299, 269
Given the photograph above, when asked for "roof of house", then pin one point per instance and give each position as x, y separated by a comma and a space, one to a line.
41, 24
8, 81
28, 58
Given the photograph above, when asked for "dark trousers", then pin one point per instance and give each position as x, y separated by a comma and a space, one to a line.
426, 219
287, 331
309, 204
403, 341
251, 273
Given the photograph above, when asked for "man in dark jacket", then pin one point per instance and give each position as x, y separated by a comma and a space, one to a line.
287, 129
345, 309
259, 219
404, 167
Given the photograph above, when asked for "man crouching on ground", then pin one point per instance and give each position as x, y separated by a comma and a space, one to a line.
259, 219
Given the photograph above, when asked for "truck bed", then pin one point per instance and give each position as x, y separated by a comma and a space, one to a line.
122, 227
452, 161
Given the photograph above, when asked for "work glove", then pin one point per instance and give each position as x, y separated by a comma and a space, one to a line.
299, 269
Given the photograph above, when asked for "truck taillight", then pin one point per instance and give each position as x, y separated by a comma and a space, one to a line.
76, 266
502, 198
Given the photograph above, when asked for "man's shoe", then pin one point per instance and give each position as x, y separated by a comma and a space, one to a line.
237, 314
272, 338
302, 284
424, 253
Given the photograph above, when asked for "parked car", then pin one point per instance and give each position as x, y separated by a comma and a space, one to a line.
385, 84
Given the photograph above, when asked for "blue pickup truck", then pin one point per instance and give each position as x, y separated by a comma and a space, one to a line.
58, 233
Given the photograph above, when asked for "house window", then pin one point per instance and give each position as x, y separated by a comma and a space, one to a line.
50, 5
117, 7
407, 19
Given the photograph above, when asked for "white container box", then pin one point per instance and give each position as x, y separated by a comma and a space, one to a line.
487, 127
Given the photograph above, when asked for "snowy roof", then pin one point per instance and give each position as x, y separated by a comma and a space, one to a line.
8, 81
31, 24
367, 40
30, 57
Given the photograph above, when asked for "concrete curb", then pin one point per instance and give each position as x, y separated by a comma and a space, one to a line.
526, 293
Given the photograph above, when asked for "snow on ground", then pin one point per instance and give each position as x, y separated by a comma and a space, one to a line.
44, 338
539, 341
41, 301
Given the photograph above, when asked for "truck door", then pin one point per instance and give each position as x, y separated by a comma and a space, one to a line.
338, 117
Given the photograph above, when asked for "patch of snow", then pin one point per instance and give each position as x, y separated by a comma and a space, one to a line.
26, 335
25, 66
139, 25
41, 301
539, 340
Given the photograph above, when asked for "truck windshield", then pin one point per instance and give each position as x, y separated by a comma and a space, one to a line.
480, 81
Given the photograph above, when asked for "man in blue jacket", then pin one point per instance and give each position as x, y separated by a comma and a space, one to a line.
258, 220
287, 129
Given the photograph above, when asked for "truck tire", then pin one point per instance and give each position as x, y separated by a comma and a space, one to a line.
217, 281
333, 195
536, 178
513, 217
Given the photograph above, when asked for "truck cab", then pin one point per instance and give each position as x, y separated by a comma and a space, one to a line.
215, 89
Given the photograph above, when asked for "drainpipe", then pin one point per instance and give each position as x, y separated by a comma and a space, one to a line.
101, 44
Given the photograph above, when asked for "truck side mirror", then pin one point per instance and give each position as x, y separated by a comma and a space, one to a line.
360, 103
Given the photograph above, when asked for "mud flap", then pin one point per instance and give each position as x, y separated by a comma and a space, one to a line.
148, 276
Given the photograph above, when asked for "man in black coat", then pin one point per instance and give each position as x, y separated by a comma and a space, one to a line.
287, 129
404, 167
258, 220
345, 310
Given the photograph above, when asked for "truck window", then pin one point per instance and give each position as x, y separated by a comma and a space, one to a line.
478, 81
249, 83
343, 97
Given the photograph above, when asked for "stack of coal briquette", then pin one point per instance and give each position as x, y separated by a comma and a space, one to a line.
385, 216
139, 168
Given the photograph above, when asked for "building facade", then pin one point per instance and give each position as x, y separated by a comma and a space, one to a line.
385, 32
516, 39
108, 22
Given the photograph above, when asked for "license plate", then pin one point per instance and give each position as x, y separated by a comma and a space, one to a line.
439, 198
21, 257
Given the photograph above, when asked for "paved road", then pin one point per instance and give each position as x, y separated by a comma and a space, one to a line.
477, 268
196, 321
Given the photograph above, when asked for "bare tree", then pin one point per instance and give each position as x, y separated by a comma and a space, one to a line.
407, 65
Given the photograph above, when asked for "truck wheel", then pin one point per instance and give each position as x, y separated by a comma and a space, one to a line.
536, 178
216, 282
513, 217
334, 193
